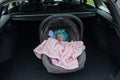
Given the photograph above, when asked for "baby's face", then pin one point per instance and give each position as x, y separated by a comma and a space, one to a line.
60, 37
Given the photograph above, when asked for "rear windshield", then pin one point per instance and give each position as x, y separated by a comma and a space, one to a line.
46, 6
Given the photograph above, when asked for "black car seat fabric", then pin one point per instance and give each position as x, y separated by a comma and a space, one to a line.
60, 22
32, 6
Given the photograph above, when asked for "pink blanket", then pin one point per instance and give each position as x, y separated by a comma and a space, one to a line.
63, 54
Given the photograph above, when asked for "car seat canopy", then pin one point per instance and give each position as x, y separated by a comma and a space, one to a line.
71, 23
63, 23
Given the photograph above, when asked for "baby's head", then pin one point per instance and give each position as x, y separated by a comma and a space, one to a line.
61, 35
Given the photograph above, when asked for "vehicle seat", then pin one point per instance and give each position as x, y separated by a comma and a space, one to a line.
32, 6
65, 5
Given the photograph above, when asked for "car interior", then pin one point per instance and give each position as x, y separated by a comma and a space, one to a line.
19, 35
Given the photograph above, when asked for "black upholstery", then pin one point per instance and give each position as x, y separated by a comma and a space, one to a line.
65, 5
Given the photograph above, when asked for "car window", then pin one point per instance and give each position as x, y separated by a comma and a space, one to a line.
91, 2
10, 6
46, 6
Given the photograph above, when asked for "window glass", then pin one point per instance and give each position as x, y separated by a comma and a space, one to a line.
38, 6
91, 2
10, 6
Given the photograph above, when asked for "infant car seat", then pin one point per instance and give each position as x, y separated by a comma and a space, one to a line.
74, 28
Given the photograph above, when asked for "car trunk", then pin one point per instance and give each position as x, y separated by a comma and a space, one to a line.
19, 38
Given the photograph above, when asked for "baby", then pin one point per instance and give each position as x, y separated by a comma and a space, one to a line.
60, 35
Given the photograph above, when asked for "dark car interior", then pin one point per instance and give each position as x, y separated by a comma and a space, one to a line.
19, 35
